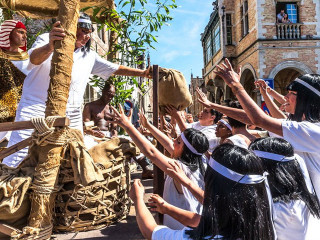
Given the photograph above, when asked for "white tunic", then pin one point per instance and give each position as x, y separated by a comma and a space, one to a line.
36, 84
185, 200
238, 141
209, 131
291, 220
165, 233
305, 138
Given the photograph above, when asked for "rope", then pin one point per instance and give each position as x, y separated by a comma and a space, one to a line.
45, 133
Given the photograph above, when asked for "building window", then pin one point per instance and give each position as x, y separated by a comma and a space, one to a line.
229, 28
244, 18
208, 52
288, 9
216, 39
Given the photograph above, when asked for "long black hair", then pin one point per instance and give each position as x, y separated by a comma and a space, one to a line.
230, 209
200, 142
285, 178
307, 101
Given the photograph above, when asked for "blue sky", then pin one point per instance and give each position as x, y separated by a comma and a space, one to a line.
179, 45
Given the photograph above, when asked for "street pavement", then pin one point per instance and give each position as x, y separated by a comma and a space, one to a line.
124, 230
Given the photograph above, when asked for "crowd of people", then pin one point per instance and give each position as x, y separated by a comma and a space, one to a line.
223, 180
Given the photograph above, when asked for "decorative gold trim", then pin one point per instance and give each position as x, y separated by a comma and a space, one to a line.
15, 56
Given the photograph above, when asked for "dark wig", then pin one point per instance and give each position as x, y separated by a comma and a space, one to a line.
217, 114
230, 209
307, 101
85, 49
285, 178
233, 122
200, 142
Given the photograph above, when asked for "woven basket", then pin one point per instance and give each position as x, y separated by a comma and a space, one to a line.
80, 208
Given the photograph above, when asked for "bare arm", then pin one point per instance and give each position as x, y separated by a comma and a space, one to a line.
177, 116
86, 114
273, 108
185, 217
279, 97
39, 55
164, 140
142, 143
145, 220
256, 115
128, 71
238, 114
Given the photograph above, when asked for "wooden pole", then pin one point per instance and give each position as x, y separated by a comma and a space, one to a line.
49, 156
158, 175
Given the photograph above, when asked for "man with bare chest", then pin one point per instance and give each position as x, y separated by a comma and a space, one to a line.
98, 112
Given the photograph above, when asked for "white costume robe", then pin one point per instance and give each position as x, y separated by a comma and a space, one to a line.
185, 200
36, 84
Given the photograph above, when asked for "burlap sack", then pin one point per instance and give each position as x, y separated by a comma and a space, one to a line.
173, 90
113, 149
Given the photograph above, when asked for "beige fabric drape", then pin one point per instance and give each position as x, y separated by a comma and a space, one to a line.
48, 8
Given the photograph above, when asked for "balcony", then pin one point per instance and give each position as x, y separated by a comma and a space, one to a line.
289, 30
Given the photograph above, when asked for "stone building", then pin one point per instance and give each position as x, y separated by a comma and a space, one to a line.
248, 33
195, 83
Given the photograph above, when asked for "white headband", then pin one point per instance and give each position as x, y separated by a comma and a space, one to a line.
234, 176
273, 156
245, 179
82, 20
191, 148
225, 123
307, 85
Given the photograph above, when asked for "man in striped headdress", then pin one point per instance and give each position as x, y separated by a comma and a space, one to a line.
14, 60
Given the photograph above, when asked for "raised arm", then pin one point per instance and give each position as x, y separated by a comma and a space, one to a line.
273, 108
185, 217
142, 143
145, 220
277, 96
39, 55
177, 116
164, 140
254, 112
238, 114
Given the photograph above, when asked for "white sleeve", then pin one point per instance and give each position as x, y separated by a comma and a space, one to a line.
41, 40
163, 232
304, 136
103, 68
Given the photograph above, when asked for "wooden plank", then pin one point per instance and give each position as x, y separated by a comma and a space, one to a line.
12, 126
15, 148
158, 175
6, 229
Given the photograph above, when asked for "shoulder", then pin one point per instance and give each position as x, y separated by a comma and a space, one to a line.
303, 126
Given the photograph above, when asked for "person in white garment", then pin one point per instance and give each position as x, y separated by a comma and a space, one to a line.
206, 124
14, 60
291, 189
236, 202
186, 150
85, 63
301, 129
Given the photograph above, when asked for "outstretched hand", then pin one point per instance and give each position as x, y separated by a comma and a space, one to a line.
172, 111
262, 85
147, 73
137, 190
226, 72
202, 98
119, 117
157, 204
143, 120
177, 173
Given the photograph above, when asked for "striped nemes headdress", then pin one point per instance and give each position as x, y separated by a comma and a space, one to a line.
6, 28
